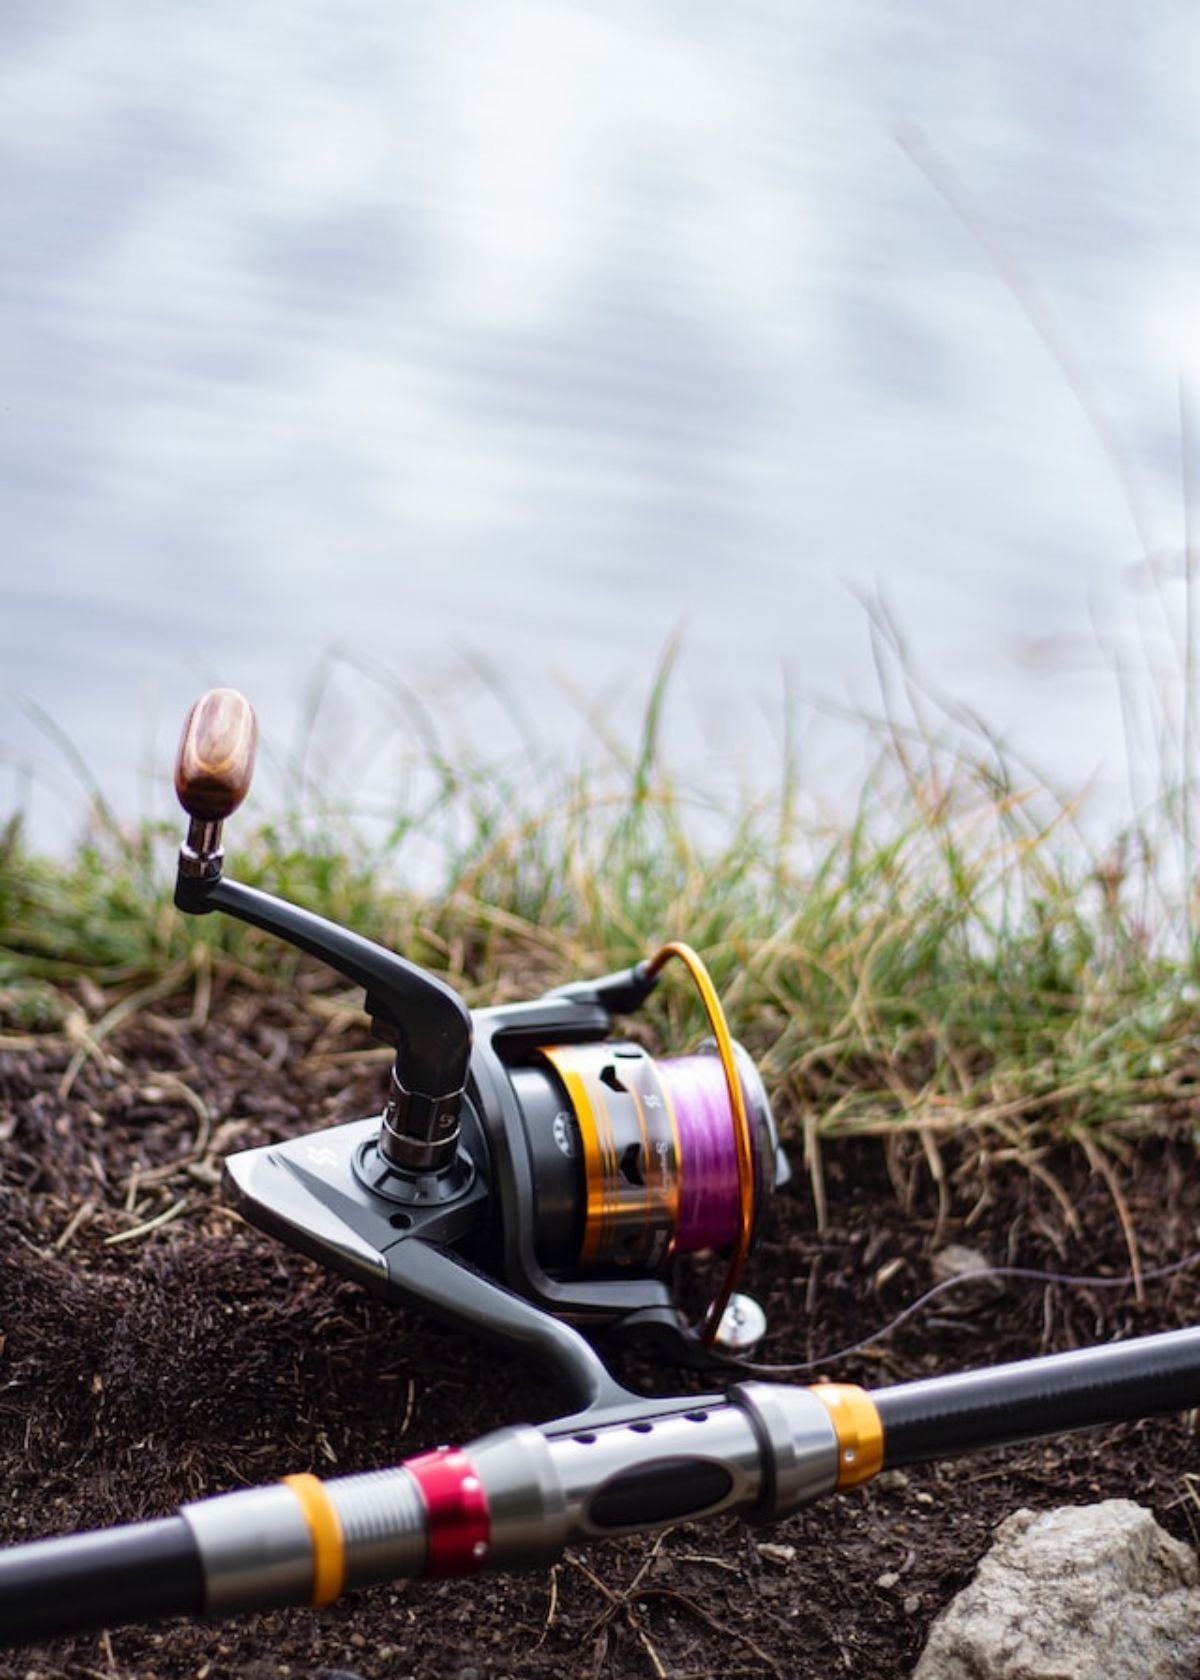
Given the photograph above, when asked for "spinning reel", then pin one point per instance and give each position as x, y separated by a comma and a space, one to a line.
529, 1171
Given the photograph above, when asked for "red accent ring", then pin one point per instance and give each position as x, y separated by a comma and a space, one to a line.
460, 1524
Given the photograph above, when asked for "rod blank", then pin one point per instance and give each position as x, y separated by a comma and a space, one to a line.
944, 1416
100, 1579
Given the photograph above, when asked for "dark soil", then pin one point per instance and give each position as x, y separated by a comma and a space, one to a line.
200, 1356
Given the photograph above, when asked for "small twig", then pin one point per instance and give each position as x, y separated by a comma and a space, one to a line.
624, 1603
689, 1604
725, 1673
202, 990
553, 1608
1059, 1191
933, 1157
93, 1037
816, 1170
810, 1303
590, 1575
631, 1590
157, 1175
599, 1650
149, 1225
410, 1406
1100, 1163
171, 1084
80, 1217
647, 1643
372, 1057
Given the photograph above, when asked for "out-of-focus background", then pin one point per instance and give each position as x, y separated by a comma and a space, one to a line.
470, 352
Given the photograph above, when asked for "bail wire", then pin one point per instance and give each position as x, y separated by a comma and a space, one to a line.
741, 1126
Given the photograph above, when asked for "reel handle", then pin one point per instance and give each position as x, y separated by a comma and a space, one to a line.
215, 762
428, 1023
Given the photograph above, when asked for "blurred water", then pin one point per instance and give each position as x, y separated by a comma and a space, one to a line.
530, 334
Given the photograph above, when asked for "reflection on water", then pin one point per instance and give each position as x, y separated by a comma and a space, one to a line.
533, 335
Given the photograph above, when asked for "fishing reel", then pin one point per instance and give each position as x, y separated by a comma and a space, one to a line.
531, 1175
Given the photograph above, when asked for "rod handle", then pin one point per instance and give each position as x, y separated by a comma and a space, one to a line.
215, 762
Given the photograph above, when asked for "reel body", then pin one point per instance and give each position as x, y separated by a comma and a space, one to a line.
582, 1167
529, 1175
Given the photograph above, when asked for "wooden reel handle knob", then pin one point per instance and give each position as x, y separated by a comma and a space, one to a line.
216, 755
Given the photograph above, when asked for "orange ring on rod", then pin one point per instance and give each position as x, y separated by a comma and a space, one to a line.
324, 1525
741, 1125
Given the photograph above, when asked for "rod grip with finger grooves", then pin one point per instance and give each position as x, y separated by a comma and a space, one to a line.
216, 755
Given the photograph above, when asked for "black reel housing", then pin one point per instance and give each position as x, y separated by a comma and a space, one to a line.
490, 1241
482, 1191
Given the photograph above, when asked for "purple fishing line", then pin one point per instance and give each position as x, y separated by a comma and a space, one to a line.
708, 1190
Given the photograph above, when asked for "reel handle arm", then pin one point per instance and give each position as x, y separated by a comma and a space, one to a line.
428, 1023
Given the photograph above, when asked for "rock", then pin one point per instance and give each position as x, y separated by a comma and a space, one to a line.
890, 1481
1070, 1595
976, 1287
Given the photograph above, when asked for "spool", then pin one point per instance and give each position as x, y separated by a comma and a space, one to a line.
629, 1154
709, 1192
656, 1165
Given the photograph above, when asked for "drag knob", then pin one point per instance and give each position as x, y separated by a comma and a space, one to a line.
216, 755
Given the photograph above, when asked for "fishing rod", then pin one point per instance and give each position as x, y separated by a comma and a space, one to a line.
529, 1179
515, 1499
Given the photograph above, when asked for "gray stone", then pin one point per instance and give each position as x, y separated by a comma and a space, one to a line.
1074, 1594
963, 1264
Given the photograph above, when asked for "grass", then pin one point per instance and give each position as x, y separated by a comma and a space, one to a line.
950, 952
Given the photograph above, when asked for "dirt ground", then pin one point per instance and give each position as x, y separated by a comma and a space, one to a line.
197, 1355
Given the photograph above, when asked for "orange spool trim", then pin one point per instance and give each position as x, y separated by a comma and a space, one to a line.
741, 1125
596, 1220
614, 1209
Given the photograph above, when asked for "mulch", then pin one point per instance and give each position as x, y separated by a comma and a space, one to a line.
195, 1355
